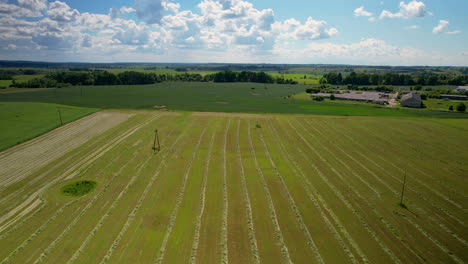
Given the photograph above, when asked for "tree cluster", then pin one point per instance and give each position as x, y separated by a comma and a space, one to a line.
247, 76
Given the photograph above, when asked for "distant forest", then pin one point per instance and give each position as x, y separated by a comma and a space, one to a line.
388, 78
66, 78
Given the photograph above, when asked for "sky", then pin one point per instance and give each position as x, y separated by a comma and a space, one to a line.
359, 32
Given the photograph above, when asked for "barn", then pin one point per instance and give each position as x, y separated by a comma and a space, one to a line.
411, 100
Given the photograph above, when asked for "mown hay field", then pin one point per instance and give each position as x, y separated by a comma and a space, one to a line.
246, 188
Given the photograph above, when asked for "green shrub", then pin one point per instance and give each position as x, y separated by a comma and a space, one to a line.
461, 107
78, 188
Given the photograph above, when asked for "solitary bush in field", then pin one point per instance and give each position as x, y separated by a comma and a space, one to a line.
461, 107
451, 108
332, 97
78, 188
317, 98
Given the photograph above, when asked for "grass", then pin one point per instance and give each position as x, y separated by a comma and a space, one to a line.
210, 97
79, 188
22, 121
334, 179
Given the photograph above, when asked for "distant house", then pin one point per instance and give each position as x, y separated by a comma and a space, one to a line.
462, 88
411, 100
453, 97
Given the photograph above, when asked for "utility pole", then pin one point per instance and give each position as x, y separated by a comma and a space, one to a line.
60, 116
403, 190
156, 139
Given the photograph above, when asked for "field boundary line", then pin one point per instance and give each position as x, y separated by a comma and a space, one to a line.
292, 203
248, 206
319, 202
273, 216
132, 215
224, 223
180, 196
196, 236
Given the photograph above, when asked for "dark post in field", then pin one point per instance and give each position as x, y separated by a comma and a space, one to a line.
60, 116
156, 139
403, 191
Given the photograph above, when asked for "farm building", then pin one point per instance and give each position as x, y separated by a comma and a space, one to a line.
453, 97
363, 96
462, 88
411, 100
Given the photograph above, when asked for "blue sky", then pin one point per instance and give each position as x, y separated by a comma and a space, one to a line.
366, 32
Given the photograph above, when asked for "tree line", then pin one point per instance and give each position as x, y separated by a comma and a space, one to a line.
388, 78
66, 78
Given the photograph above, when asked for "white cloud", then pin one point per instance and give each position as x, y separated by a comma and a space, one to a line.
115, 12
61, 12
413, 9
310, 30
455, 32
443, 24
34, 5
367, 51
412, 27
360, 11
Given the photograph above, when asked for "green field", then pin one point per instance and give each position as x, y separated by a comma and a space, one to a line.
213, 97
294, 189
22, 121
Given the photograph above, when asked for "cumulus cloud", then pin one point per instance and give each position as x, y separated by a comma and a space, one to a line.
230, 26
115, 12
360, 11
60, 11
133, 34
442, 27
34, 5
413, 9
371, 50
313, 29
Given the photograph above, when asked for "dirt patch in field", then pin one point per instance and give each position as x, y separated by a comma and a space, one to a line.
20, 161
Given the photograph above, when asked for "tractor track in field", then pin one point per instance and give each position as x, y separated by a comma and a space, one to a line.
413, 190
400, 150
273, 215
54, 243
180, 196
84, 162
132, 215
108, 212
196, 236
342, 197
224, 223
51, 146
292, 204
421, 230
38, 231
445, 228
44, 203
248, 206
320, 203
